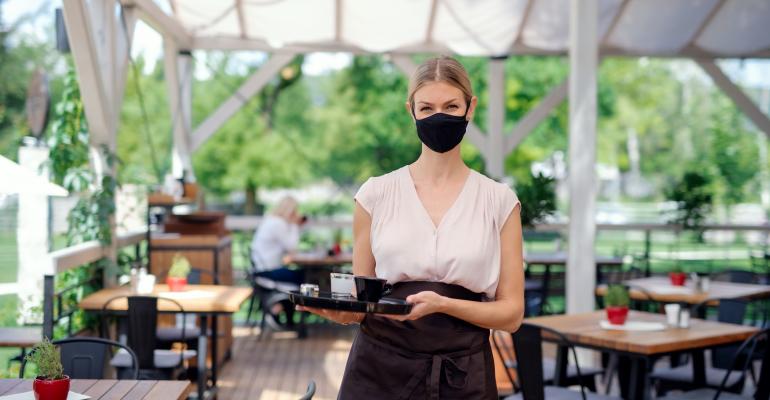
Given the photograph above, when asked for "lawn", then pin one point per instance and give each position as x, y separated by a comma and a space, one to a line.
8, 257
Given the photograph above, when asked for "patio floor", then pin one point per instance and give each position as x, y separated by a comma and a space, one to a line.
280, 366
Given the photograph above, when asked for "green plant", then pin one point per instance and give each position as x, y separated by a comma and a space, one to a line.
617, 296
180, 267
91, 217
693, 195
538, 199
48, 360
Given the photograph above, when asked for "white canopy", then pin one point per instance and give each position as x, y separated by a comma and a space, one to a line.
665, 28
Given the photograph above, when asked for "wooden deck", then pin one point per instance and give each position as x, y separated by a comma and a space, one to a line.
280, 366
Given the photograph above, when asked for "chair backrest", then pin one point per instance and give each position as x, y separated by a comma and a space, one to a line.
528, 345
310, 391
86, 357
736, 276
742, 361
194, 277
143, 324
507, 356
730, 311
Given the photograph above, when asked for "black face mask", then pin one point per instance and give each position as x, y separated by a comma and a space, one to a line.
441, 132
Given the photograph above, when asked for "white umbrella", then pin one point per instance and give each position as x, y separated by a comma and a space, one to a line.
15, 179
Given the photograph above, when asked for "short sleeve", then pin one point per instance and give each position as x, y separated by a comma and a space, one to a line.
508, 201
368, 195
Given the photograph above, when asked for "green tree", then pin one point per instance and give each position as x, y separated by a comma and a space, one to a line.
262, 145
734, 154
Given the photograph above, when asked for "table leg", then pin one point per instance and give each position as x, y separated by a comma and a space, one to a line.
699, 368
202, 346
632, 375
214, 349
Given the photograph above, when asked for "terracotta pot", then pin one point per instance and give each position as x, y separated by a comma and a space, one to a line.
176, 284
677, 278
617, 315
46, 389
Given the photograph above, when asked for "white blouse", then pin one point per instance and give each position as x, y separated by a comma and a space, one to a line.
465, 247
274, 238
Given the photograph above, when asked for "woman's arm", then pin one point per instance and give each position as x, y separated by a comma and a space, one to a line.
289, 238
507, 310
363, 264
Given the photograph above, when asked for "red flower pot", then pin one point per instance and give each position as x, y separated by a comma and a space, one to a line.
677, 278
46, 389
176, 284
617, 315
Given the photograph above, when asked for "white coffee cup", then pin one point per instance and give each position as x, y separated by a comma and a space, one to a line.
684, 318
672, 314
342, 284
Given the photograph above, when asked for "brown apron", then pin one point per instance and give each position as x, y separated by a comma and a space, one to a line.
434, 357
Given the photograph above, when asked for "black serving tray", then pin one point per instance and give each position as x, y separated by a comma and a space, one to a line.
386, 305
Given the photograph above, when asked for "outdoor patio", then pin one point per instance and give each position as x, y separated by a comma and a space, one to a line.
130, 226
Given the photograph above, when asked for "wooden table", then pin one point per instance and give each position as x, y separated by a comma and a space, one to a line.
204, 300
661, 290
638, 349
110, 389
21, 337
317, 260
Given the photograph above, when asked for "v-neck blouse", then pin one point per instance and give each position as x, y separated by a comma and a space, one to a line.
464, 249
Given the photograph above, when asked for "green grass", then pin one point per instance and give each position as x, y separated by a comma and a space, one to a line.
9, 259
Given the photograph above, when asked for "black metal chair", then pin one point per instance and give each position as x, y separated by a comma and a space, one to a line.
527, 342
736, 276
310, 391
264, 293
731, 311
754, 346
142, 317
760, 264
168, 335
587, 375
86, 357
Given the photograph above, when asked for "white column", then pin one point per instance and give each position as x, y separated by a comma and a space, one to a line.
32, 237
495, 146
178, 66
583, 54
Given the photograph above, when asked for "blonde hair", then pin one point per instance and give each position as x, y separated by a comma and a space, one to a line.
285, 207
441, 69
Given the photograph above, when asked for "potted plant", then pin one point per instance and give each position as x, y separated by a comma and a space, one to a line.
677, 276
177, 274
50, 383
617, 304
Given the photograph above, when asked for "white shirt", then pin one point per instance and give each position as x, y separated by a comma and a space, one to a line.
464, 249
274, 238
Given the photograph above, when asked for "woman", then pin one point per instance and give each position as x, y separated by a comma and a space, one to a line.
277, 235
449, 239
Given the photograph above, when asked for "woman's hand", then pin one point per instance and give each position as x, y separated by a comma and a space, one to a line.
340, 317
423, 303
